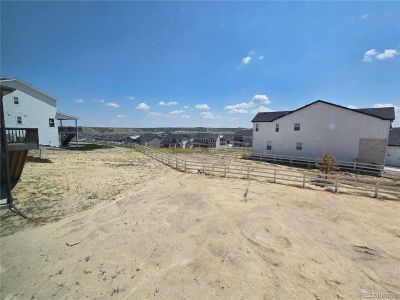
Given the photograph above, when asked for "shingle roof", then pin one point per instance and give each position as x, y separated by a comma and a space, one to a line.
384, 113
394, 137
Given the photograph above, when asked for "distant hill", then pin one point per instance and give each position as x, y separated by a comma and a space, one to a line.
109, 131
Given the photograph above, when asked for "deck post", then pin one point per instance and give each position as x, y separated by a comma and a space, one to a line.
355, 166
76, 130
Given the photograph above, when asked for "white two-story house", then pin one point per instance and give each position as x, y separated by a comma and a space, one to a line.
29, 107
319, 127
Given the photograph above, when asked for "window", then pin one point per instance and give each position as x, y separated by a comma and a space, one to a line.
277, 127
299, 146
256, 127
19, 120
16, 100
51, 122
296, 126
269, 145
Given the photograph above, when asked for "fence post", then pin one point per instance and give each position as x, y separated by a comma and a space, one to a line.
290, 161
308, 163
225, 171
248, 172
260, 157
355, 166
336, 183
203, 169
274, 175
274, 158
304, 179
376, 189
176, 163
185, 165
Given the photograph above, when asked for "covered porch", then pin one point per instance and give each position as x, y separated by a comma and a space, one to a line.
67, 133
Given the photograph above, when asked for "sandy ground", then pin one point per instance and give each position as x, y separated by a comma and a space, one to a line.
158, 233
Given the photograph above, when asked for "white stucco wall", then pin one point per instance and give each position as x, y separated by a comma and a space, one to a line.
393, 156
35, 113
324, 128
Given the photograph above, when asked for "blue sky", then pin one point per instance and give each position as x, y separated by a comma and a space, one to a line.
150, 64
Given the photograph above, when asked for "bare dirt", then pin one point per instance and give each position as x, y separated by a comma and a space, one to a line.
113, 223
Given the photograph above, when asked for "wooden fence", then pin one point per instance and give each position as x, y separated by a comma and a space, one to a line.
372, 187
355, 167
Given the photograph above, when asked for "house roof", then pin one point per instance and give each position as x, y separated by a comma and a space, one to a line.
63, 116
394, 137
4, 80
384, 113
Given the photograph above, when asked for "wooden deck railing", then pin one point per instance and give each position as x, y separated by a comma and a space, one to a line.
338, 183
22, 136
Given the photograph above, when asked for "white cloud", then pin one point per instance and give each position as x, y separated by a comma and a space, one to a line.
262, 99
154, 114
372, 54
186, 107
102, 101
176, 112
207, 115
369, 55
121, 116
129, 97
79, 101
261, 57
142, 106
246, 60
202, 106
185, 117
364, 16
261, 109
352, 106
388, 53
112, 104
240, 107
172, 103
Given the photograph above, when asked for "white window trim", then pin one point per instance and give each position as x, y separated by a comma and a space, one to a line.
14, 100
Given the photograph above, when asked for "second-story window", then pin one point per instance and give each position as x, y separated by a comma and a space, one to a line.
256, 127
296, 126
51, 122
277, 127
299, 146
16, 100
19, 120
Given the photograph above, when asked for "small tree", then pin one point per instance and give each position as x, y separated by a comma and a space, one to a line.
327, 164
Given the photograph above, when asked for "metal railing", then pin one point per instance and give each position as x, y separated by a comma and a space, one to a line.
69, 129
372, 187
22, 136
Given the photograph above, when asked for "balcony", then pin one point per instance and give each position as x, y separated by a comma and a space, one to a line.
22, 139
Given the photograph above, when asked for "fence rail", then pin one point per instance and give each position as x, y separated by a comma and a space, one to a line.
356, 167
373, 187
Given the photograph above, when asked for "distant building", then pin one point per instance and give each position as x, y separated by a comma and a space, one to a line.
349, 134
148, 140
393, 149
29, 107
207, 141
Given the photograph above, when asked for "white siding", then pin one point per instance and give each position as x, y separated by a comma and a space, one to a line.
35, 113
393, 156
324, 128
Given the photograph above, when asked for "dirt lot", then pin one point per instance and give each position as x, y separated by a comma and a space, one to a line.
113, 223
